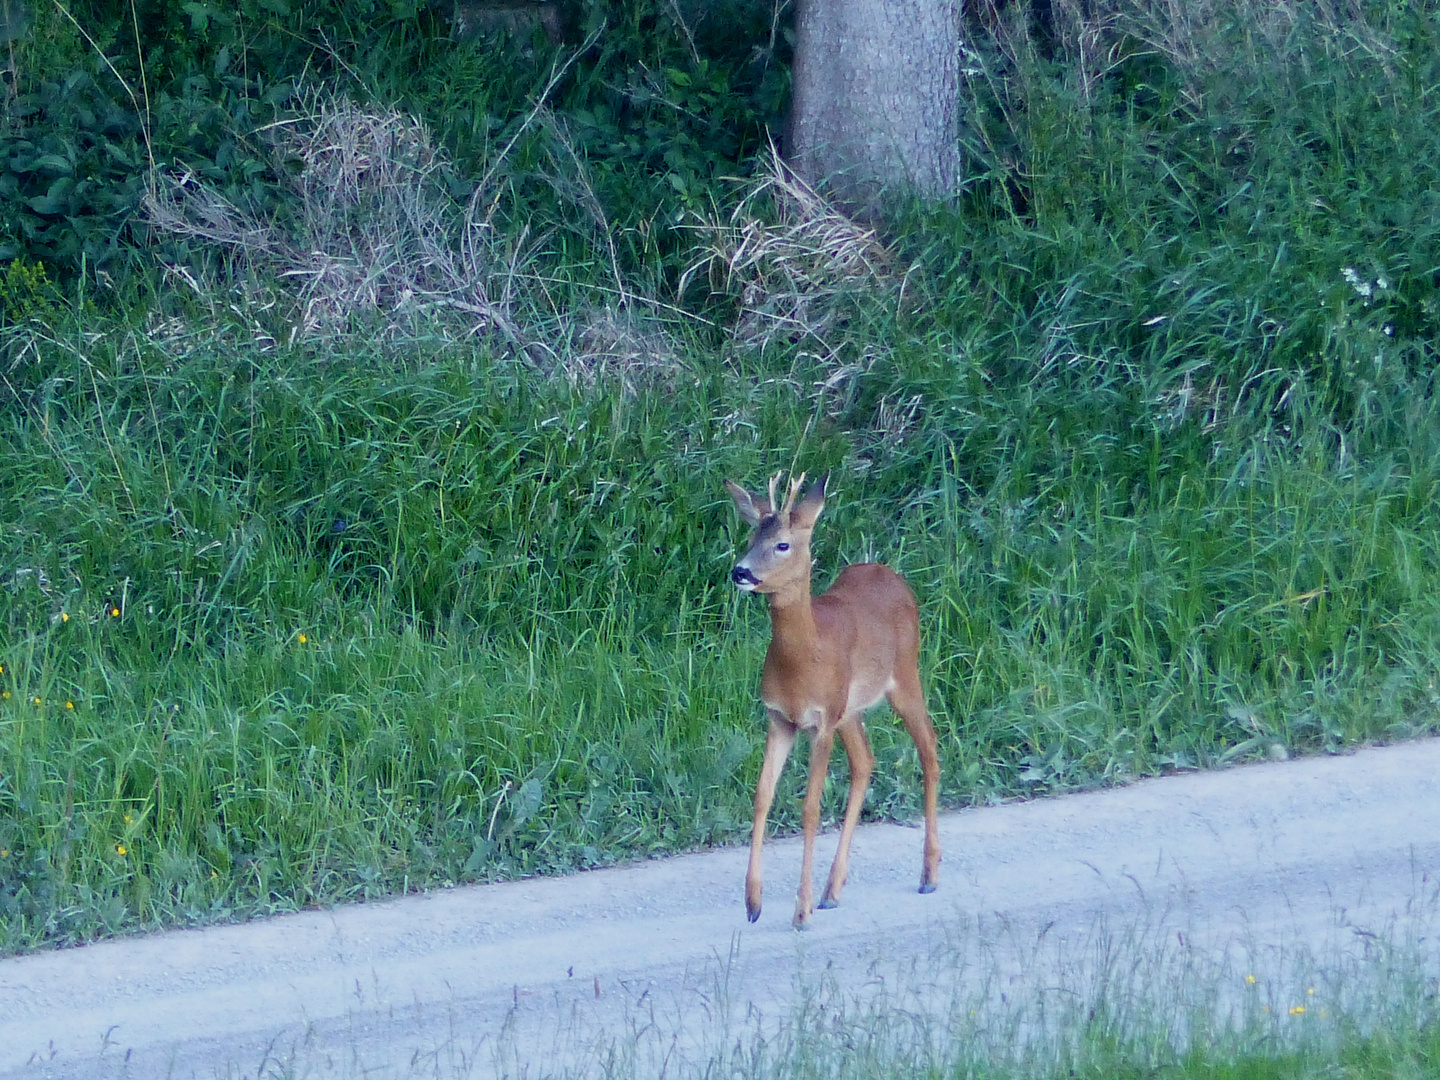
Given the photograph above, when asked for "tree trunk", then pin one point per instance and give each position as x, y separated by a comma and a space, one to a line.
876, 98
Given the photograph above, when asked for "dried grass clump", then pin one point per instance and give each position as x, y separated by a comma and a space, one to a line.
1174, 405
797, 274
625, 345
376, 238
1199, 39
1202, 35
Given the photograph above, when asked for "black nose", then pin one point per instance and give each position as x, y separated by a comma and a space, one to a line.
742, 576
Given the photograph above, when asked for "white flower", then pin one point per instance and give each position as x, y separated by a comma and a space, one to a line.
1356, 282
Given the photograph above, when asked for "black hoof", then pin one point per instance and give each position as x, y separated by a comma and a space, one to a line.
827, 903
927, 887
753, 913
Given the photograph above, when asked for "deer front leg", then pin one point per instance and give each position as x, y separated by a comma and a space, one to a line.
820, 747
778, 740
862, 764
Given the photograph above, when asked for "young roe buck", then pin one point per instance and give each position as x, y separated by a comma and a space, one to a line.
831, 657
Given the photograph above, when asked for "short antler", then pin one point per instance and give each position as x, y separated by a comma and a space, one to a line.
775, 483
795, 484
789, 504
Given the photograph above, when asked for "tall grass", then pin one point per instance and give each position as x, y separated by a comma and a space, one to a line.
1125, 996
1149, 423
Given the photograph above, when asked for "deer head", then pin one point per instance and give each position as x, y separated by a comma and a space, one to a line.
779, 552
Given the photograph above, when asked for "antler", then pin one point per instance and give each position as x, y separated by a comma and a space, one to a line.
776, 507
795, 482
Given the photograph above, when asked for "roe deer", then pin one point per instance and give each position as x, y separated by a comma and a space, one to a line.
831, 657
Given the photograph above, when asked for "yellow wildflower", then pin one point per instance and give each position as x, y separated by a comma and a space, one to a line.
114, 612
302, 639
121, 850
37, 699
64, 616
1296, 1010
5, 694
70, 704
1250, 979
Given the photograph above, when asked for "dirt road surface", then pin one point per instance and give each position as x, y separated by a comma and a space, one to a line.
534, 975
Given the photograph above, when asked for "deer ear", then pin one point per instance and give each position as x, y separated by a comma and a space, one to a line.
810, 506
752, 507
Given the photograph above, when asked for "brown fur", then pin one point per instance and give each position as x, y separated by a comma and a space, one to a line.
831, 657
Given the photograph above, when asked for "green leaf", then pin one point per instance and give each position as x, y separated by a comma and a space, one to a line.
526, 802
199, 16
42, 163
481, 853
16, 19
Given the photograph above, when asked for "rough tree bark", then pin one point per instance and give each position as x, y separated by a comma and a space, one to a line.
875, 99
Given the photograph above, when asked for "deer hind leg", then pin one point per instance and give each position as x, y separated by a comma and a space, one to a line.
820, 747
778, 741
908, 701
862, 765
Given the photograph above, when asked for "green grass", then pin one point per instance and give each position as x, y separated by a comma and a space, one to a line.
519, 650
894, 1044
1116, 1001
1124, 998
1385, 1054
325, 621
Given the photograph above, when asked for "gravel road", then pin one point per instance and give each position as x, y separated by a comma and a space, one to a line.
525, 976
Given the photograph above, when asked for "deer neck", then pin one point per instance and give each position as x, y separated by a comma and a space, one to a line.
792, 619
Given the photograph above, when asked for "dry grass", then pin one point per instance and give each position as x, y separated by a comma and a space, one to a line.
796, 270
620, 343
1196, 37
376, 238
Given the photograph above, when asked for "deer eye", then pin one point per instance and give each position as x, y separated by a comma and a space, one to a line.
782, 546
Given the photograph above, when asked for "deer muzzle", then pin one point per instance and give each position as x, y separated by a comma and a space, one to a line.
743, 578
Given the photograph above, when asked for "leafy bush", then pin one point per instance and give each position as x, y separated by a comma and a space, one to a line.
658, 110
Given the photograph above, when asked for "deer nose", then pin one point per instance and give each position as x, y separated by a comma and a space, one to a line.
741, 575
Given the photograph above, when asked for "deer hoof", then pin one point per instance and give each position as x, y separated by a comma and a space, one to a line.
752, 911
927, 886
827, 903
